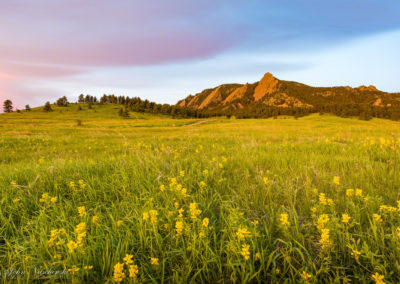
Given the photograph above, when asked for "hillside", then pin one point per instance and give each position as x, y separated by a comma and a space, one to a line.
80, 198
271, 96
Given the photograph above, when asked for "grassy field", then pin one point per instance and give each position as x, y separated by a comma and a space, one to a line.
145, 199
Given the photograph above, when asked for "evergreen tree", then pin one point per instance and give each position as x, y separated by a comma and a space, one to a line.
7, 106
47, 107
27, 108
126, 113
62, 102
81, 98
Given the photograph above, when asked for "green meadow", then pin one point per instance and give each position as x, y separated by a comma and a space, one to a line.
151, 199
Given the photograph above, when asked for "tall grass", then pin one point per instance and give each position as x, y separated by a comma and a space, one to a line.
224, 201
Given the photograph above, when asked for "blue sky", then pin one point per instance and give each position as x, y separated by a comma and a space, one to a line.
164, 50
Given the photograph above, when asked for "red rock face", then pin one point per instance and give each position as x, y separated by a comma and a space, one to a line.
271, 91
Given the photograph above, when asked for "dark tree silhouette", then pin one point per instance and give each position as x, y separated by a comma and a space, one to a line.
7, 106
47, 107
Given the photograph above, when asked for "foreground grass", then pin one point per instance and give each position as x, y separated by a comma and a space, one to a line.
307, 200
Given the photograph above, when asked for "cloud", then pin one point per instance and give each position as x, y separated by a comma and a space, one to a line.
27, 70
33, 94
59, 47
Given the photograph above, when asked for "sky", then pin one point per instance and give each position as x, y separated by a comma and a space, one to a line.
165, 50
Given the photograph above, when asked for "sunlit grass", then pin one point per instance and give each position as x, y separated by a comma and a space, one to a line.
144, 199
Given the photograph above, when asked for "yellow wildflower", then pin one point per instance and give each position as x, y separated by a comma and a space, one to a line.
45, 197
305, 275
359, 192
322, 199
205, 222
133, 271
336, 180
182, 173
345, 218
205, 172
128, 259
153, 216
154, 261
73, 269
322, 220
13, 182
53, 199
184, 192
82, 211
72, 246
95, 219
355, 253
377, 218
243, 233
162, 188
245, 251
266, 180
325, 239
119, 223
80, 228
378, 278
180, 211
88, 267
179, 228
119, 274
202, 184
284, 219
194, 212
349, 192
82, 184
16, 200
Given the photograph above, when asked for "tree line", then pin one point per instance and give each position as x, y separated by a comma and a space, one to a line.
136, 104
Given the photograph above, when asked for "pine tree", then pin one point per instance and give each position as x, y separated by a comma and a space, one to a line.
126, 113
81, 98
47, 107
7, 106
62, 102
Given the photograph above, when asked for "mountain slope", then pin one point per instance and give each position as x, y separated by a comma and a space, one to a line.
286, 96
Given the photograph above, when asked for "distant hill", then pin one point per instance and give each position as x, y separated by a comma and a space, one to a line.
271, 96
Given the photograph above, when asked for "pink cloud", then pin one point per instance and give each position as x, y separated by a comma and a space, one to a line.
109, 33
26, 70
